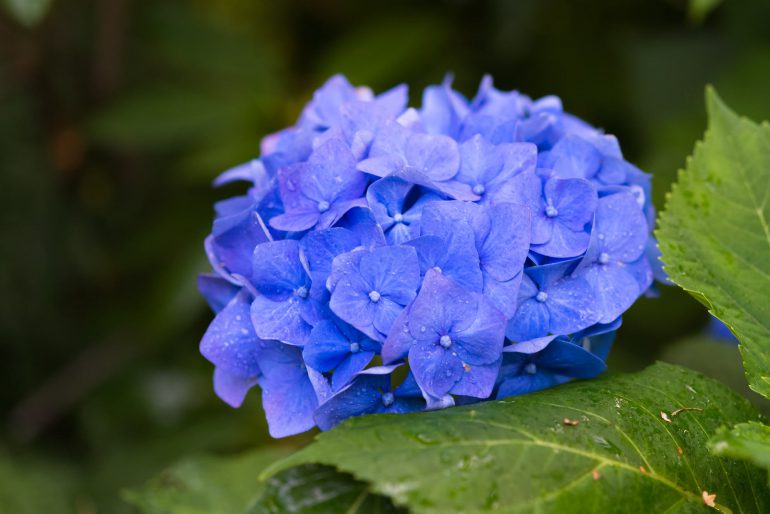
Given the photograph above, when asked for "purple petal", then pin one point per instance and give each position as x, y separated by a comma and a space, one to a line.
614, 288
280, 321
437, 156
573, 157
363, 396
230, 342
532, 320
505, 248
569, 359
478, 381
572, 306
349, 367
393, 272
482, 341
503, 294
529, 347
277, 270
435, 369
232, 388
322, 246
399, 340
441, 306
574, 200
217, 291
621, 227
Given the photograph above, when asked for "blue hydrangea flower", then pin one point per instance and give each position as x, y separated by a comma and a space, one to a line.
480, 247
457, 339
370, 393
614, 266
544, 363
371, 287
286, 305
319, 192
338, 347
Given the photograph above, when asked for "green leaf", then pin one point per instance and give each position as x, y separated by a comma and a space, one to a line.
714, 232
205, 484
27, 12
519, 455
313, 489
230, 485
697, 10
749, 441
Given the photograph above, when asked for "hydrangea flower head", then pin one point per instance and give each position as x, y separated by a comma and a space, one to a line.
390, 259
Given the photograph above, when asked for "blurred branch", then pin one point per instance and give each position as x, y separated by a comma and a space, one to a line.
108, 59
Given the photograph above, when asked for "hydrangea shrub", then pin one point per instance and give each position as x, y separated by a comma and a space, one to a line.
395, 259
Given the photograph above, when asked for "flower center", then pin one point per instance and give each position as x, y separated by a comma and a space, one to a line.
479, 189
541, 296
374, 296
323, 206
437, 269
398, 217
604, 258
530, 368
354, 347
301, 292
551, 211
445, 341
388, 399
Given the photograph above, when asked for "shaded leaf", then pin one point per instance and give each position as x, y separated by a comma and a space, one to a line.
205, 484
519, 454
714, 233
313, 489
749, 441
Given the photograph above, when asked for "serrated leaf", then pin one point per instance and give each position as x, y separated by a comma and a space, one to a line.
714, 233
519, 454
201, 485
748, 441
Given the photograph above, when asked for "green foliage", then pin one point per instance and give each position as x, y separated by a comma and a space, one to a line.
714, 233
231, 485
205, 484
699, 9
27, 12
33, 487
521, 455
749, 441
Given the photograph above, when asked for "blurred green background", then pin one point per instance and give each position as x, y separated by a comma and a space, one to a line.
115, 115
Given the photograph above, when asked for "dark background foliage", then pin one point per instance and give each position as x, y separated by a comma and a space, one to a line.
115, 115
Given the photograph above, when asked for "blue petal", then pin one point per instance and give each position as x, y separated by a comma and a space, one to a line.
399, 340
349, 367
574, 199
482, 341
230, 342
573, 157
437, 156
281, 321
478, 381
234, 238
278, 271
363, 396
529, 347
217, 291
620, 227
232, 388
572, 306
505, 248
320, 247
615, 289
288, 395
532, 320
503, 295
435, 369
456, 258
569, 359
327, 347
392, 271
360, 220
526, 383
441, 306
